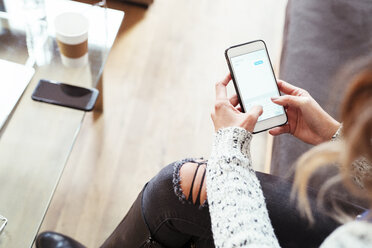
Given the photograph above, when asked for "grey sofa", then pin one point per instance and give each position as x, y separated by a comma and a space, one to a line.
319, 37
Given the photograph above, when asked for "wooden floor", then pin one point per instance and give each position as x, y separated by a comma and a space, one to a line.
158, 93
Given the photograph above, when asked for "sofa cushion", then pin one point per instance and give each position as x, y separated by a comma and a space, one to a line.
319, 37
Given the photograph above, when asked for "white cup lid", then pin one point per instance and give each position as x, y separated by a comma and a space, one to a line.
71, 28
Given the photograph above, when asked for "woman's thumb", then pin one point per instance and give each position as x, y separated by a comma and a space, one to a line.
255, 112
287, 100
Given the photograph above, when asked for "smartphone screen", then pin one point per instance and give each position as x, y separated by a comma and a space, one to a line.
65, 95
256, 82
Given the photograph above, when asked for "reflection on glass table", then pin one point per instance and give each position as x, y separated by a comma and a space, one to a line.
3, 223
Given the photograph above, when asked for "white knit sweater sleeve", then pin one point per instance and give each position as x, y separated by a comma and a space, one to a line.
353, 234
236, 203
361, 168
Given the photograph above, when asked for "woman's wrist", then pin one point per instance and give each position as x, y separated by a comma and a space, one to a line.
337, 134
334, 126
232, 141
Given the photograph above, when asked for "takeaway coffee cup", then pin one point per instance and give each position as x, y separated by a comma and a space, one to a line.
72, 38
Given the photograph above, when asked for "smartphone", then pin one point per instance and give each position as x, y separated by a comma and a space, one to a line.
255, 82
65, 95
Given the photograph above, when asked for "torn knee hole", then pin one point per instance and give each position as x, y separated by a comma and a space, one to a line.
192, 182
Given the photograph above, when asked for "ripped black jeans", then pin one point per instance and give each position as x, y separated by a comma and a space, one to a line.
163, 217
173, 220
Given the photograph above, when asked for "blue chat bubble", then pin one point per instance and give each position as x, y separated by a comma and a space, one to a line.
259, 62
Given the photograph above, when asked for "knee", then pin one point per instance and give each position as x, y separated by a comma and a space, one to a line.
192, 182
187, 177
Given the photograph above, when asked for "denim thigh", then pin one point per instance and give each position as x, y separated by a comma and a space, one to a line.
175, 222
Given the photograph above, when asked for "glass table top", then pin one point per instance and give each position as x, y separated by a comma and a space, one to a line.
38, 137
31, 41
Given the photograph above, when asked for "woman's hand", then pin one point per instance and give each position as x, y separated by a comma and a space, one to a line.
306, 119
227, 115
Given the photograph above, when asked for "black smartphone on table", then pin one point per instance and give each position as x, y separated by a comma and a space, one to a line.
65, 95
255, 82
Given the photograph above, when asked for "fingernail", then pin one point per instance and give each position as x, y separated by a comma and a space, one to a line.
274, 98
259, 107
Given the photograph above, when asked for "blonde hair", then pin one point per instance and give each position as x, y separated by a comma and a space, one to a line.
356, 115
